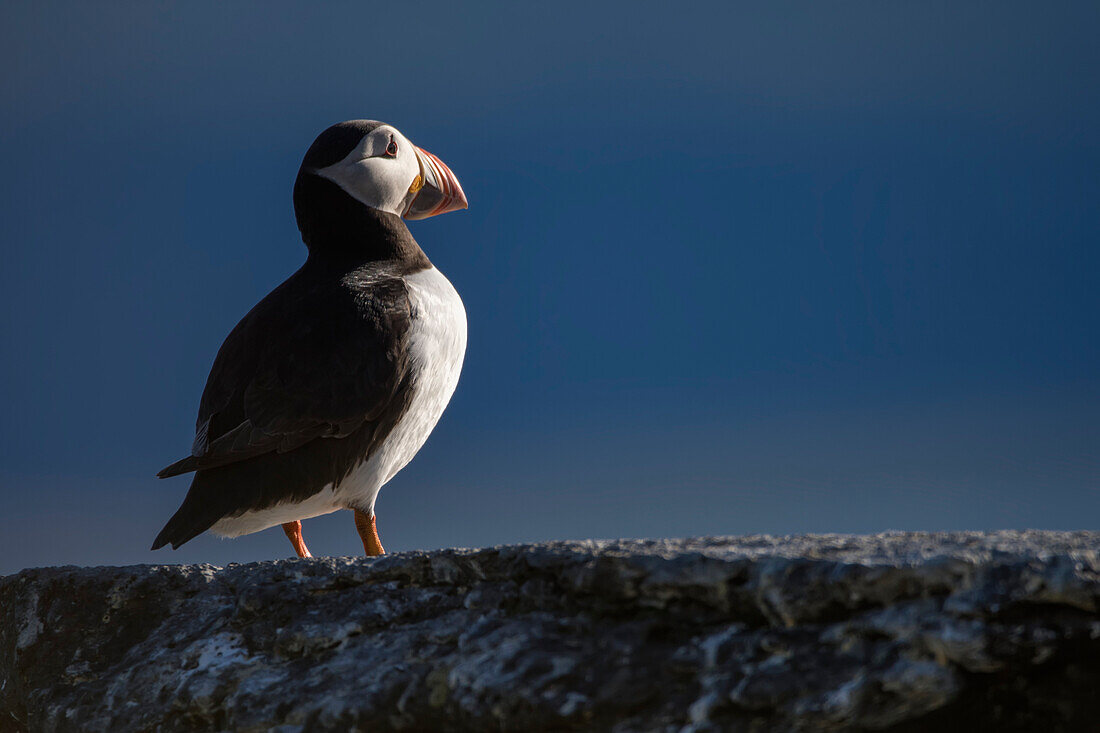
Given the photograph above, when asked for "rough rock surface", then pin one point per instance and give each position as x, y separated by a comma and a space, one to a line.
902, 632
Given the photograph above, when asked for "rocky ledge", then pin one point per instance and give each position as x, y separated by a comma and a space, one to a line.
900, 632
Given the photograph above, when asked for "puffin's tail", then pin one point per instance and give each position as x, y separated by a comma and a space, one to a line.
180, 528
192, 518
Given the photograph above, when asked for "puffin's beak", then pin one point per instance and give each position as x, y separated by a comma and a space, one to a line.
436, 190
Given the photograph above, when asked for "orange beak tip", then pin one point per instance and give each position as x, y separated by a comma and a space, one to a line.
440, 191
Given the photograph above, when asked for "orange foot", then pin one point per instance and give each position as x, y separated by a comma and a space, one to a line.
368, 532
294, 534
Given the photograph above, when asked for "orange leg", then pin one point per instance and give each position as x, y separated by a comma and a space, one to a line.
294, 534
368, 533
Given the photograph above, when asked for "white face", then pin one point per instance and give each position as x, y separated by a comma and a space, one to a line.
379, 172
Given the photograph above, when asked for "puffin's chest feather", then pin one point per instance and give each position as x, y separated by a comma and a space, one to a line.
437, 334
436, 346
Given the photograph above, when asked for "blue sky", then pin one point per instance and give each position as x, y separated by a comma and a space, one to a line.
727, 270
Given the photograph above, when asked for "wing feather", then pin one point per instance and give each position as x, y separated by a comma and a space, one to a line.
315, 359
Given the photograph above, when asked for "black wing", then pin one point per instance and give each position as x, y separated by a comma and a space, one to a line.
317, 358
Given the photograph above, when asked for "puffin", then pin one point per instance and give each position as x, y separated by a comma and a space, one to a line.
332, 383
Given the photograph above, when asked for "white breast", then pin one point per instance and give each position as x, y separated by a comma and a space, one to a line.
437, 345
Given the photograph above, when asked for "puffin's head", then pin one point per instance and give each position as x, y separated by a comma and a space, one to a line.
379, 168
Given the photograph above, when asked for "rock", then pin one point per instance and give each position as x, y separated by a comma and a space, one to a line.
899, 632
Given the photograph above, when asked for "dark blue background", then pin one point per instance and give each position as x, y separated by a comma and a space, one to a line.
814, 267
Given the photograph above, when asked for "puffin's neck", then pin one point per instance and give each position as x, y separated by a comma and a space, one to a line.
339, 230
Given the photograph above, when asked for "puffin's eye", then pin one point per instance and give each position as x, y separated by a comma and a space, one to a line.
391, 149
